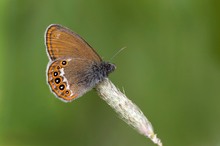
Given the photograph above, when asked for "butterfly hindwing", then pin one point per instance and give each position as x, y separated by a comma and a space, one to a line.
58, 82
66, 78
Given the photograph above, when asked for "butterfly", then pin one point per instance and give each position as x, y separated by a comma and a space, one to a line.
74, 67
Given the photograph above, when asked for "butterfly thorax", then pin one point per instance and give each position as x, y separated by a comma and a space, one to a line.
97, 73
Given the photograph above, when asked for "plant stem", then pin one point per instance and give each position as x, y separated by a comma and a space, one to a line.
127, 110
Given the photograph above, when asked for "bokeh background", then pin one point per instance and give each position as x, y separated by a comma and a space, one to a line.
170, 69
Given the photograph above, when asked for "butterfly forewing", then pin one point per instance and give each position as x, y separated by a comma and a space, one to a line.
62, 42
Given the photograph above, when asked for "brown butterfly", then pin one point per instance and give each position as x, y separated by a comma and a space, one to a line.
74, 66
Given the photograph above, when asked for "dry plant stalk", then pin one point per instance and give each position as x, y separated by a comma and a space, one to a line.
127, 110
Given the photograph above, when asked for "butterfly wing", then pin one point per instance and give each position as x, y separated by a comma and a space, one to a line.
62, 42
65, 77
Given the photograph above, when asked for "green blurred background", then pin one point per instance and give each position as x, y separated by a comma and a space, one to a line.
170, 69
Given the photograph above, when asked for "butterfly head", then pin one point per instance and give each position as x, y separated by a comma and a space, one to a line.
108, 67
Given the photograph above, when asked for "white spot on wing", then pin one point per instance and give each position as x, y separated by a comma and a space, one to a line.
62, 72
69, 59
65, 80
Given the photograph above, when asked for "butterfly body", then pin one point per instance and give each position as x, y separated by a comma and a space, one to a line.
74, 67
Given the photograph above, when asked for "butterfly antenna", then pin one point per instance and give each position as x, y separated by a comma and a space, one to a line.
117, 53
